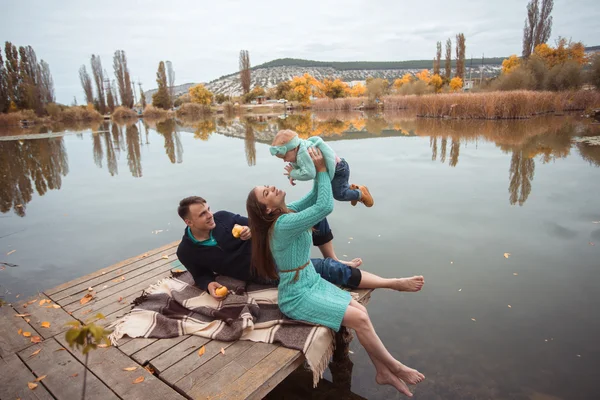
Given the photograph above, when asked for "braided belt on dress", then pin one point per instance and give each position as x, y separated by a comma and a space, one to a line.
297, 270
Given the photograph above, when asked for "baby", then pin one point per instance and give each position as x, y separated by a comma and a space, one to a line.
290, 148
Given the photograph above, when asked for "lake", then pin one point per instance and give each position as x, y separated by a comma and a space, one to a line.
451, 198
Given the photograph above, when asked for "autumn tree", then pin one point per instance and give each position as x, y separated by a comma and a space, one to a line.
448, 63
510, 64
254, 94
142, 96
86, 84
171, 81
46, 83
357, 90
12, 73
160, 99
110, 99
302, 88
283, 90
406, 78
4, 100
123, 78
538, 25
200, 95
460, 55
334, 89
563, 52
438, 59
28, 80
594, 74
245, 70
98, 74
456, 84
424, 76
377, 87
436, 82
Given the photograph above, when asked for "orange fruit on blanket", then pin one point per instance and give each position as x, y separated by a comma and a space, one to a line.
222, 291
237, 231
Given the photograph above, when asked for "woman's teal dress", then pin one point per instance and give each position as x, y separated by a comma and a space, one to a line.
303, 294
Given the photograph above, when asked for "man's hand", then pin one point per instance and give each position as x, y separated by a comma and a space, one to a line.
211, 290
246, 234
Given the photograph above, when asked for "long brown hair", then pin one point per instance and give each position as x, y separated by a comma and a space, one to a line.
261, 224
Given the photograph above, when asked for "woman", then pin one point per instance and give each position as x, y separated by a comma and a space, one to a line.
281, 236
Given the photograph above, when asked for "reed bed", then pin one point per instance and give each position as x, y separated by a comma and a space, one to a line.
342, 104
151, 112
121, 113
193, 110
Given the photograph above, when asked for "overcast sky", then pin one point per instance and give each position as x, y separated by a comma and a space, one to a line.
203, 38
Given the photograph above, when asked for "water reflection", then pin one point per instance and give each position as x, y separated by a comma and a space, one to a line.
24, 164
42, 162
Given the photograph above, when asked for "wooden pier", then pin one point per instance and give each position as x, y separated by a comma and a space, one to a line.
37, 363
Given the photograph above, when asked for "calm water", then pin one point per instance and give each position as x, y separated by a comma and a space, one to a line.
451, 198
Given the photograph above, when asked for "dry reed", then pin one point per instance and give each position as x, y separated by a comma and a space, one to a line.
193, 110
124, 113
151, 112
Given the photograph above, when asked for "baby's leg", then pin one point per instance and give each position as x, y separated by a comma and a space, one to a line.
340, 186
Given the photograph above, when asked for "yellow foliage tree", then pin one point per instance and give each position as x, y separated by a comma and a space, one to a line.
563, 52
456, 84
204, 129
12, 107
510, 64
334, 89
424, 76
201, 95
357, 90
304, 86
437, 82
406, 78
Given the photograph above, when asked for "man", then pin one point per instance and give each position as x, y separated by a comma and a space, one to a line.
208, 248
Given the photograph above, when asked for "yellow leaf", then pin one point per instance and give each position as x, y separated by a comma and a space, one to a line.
32, 301
74, 375
139, 380
22, 315
32, 385
86, 298
165, 256
102, 345
40, 378
35, 352
26, 334
222, 351
42, 302
55, 306
45, 324
130, 369
90, 289
20, 331
27, 320
149, 369
201, 351
10, 252
36, 339
506, 255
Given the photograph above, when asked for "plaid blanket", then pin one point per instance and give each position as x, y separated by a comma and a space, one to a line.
174, 307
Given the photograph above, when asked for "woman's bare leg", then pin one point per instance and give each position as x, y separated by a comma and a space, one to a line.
355, 318
328, 252
372, 281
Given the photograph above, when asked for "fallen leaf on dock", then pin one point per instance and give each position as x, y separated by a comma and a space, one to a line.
35, 353
103, 345
10, 252
26, 334
36, 339
20, 331
165, 256
119, 279
31, 385
44, 301
103, 272
90, 289
201, 351
149, 369
506, 255
27, 320
129, 369
74, 375
32, 301
40, 378
61, 349
45, 324
22, 315
222, 351
85, 299
144, 255
55, 306
86, 311
139, 380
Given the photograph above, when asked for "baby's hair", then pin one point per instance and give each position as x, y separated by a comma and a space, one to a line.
283, 137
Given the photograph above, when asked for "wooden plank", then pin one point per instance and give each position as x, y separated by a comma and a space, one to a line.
260, 351
111, 304
105, 281
108, 363
121, 290
45, 313
64, 373
218, 385
212, 368
265, 375
121, 264
10, 340
157, 348
135, 345
14, 376
189, 346
187, 364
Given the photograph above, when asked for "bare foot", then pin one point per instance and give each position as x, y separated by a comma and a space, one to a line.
355, 263
409, 375
390, 379
413, 284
